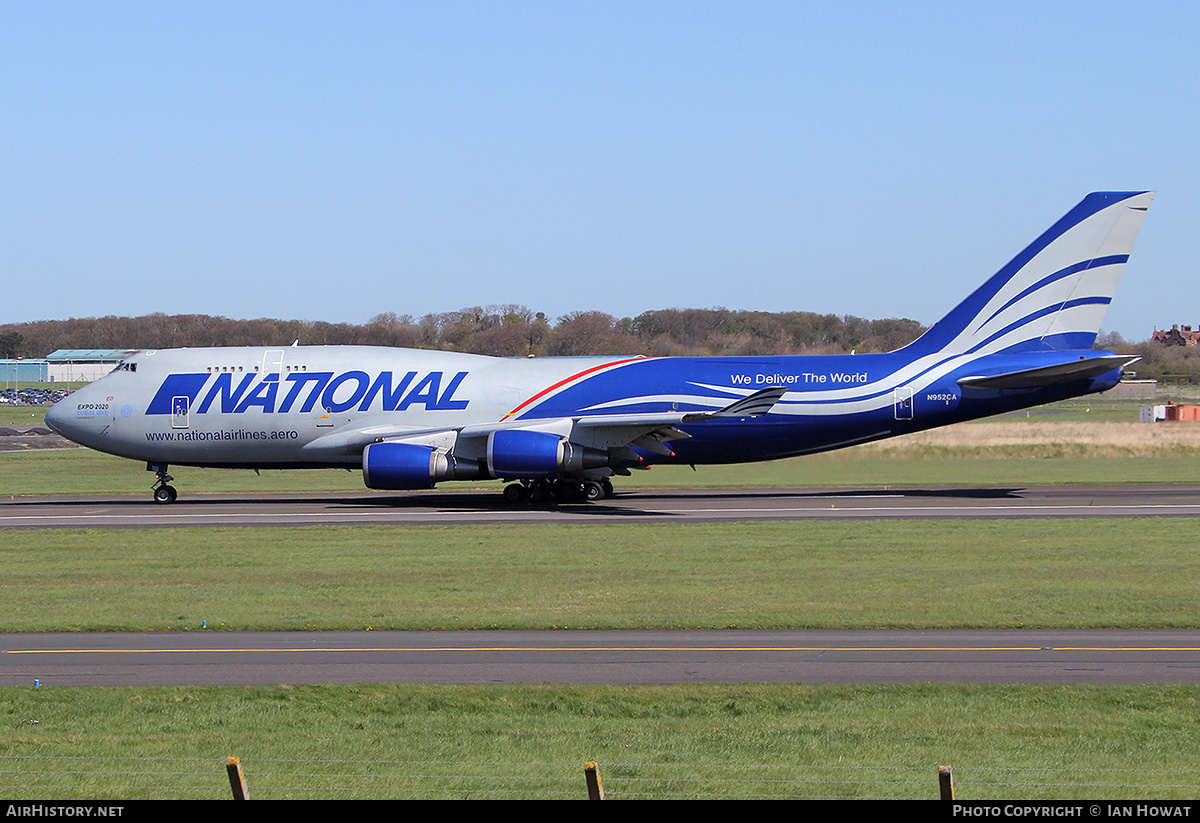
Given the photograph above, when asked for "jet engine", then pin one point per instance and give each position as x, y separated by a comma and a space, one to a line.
395, 466
529, 455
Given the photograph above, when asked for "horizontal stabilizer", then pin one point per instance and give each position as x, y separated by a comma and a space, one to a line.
1049, 375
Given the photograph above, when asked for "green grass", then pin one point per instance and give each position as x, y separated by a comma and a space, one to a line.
22, 415
400, 741
948, 573
1083, 409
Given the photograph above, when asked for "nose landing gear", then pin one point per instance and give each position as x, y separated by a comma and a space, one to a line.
164, 492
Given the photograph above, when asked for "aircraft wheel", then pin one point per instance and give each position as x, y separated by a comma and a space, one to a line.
165, 494
515, 493
608, 487
593, 491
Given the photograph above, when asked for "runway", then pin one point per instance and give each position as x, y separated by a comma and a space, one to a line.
641, 506
598, 657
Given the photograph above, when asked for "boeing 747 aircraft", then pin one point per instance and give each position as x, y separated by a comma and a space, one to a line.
563, 427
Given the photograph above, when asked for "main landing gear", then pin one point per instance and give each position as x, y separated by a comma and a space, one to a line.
568, 490
164, 492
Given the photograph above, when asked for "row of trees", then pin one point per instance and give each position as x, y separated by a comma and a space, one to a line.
506, 331
1172, 364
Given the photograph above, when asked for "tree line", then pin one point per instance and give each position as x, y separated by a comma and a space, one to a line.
1170, 364
503, 331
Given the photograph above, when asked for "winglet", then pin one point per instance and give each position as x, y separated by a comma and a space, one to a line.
754, 405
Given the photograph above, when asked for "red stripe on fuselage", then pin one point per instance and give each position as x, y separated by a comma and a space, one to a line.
567, 380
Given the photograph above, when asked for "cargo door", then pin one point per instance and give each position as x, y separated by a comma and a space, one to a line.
180, 410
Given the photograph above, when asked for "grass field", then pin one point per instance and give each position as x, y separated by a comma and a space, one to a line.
681, 742
372, 741
915, 574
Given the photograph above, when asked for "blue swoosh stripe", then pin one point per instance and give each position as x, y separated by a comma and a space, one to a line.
176, 385
1075, 268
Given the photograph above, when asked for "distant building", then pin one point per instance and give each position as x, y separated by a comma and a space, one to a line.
1177, 336
23, 371
84, 365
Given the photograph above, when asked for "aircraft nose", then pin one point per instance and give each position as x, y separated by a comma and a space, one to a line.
72, 417
57, 417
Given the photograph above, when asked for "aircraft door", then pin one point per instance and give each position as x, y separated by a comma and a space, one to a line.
180, 408
903, 403
272, 365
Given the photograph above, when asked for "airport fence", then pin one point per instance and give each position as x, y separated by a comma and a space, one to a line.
43, 778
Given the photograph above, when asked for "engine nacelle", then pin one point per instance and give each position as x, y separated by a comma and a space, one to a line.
528, 454
395, 466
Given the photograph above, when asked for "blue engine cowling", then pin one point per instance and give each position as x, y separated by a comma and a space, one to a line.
531, 455
394, 466
511, 453
520, 453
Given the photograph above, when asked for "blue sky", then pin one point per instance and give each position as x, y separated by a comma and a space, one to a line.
331, 161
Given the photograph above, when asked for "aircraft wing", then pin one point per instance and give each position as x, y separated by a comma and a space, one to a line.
611, 431
354, 440
1049, 375
653, 431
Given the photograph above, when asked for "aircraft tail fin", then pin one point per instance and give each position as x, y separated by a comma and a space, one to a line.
1055, 293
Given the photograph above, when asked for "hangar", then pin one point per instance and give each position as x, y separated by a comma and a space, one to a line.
83, 365
23, 371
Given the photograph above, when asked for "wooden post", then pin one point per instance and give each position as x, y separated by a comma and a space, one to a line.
237, 780
592, 772
946, 782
